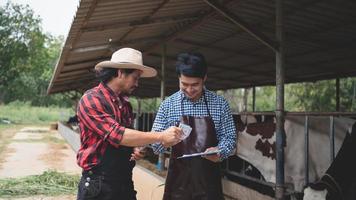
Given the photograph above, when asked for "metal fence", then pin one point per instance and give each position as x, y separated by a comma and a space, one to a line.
236, 168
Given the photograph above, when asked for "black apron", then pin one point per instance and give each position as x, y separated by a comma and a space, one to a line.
112, 178
194, 178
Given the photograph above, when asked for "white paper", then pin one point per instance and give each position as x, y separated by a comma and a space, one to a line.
199, 154
186, 129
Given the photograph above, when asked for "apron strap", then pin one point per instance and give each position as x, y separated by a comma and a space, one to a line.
205, 101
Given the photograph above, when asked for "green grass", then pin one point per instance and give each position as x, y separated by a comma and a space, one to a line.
23, 113
49, 183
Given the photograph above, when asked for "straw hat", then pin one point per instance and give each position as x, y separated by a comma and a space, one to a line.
127, 58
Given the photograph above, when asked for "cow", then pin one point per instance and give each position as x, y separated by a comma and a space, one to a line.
256, 144
339, 181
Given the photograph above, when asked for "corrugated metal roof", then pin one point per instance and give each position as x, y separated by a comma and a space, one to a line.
320, 40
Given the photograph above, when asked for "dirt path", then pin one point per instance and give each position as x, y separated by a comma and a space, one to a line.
148, 185
33, 150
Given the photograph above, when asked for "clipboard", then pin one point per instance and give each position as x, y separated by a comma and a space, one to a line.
198, 154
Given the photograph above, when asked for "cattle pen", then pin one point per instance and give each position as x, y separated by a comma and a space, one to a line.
144, 122
247, 44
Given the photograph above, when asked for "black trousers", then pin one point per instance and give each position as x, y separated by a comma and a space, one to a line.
98, 187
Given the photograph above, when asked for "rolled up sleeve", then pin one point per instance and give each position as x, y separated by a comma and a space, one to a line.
227, 132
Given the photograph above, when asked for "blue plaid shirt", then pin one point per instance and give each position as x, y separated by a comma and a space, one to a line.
170, 111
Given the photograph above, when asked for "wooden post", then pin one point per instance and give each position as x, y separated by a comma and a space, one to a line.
161, 157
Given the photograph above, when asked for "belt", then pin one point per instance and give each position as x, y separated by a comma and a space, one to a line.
105, 175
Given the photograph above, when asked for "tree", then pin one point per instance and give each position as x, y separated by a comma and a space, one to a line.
317, 96
321, 95
18, 28
27, 58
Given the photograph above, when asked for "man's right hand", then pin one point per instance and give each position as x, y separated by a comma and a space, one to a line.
171, 136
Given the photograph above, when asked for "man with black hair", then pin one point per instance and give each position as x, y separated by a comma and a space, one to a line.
212, 129
107, 139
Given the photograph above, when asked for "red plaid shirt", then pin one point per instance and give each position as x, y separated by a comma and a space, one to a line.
102, 116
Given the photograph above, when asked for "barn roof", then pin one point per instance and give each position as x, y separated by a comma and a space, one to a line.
320, 40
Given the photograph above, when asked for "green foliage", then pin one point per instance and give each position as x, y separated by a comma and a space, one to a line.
18, 28
235, 99
319, 96
48, 183
147, 105
23, 113
27, 58
348, 94
265, 98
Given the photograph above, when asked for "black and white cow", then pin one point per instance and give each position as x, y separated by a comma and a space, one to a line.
256, 144
339, 181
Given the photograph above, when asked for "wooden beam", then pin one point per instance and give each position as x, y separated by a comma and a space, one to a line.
76, 72
222, 49
169, 36
262, 23
85, 21
154, 11
115, 45
76, 78
65, 52
90, 48
221, 67
242, 24
142, 22
71, 87
82, 64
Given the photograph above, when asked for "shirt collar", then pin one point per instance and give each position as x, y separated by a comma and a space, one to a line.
114, 97
200, 100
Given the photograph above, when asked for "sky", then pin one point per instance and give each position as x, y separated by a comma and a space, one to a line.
56, 15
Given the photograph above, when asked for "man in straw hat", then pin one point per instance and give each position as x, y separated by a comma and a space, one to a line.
108, 143
208, 127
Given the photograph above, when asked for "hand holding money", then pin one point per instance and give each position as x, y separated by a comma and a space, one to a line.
171, 136
186, 129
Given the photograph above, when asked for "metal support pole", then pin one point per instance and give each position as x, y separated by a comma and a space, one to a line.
332, 139
161, 157
353, 100
138, 114
163, 73
280, 134
253, 98
144, 116
245, 100
337, 85
306, 150
148, 121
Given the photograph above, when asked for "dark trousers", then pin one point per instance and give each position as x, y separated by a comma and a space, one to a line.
98, 187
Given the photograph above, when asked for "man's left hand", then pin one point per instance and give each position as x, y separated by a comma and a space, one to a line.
214, 157
138, 153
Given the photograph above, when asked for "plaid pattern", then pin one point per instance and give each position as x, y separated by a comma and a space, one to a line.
170, 111
102, 116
